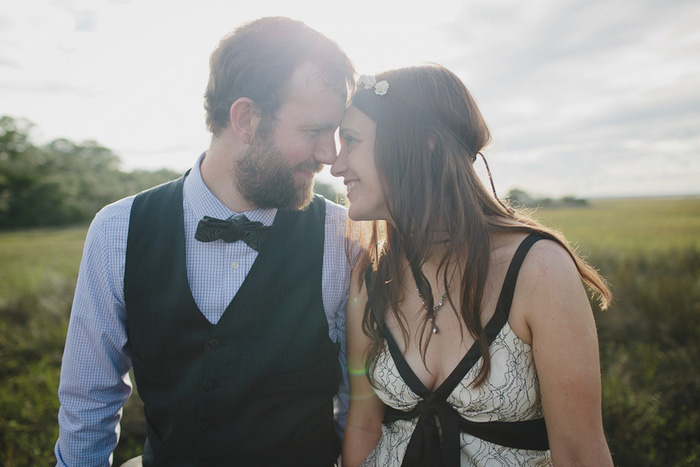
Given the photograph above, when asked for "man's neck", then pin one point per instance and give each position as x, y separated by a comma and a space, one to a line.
218, 174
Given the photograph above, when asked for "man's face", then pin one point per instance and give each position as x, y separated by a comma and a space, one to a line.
278, 167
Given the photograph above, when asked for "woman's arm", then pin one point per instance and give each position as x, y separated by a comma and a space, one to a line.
363, 426
565, 344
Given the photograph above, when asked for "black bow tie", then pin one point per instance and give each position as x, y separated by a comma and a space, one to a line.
232, 230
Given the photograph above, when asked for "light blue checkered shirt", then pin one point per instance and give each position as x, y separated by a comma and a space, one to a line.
94, 377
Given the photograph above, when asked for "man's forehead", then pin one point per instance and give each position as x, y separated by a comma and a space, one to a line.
309, 98
311, 78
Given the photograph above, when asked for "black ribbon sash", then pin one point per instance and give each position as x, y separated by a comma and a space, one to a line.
427, 449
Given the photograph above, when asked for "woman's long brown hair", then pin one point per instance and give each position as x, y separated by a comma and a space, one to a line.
428, 133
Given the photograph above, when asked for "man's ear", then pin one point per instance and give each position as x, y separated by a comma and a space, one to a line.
245, 116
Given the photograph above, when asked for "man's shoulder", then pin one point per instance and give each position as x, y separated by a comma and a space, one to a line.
117, 211
108, 230
120, 210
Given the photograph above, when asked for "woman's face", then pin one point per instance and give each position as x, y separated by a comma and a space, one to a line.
355, 163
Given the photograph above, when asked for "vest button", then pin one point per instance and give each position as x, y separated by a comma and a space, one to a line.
208, 385
204, 426
214, 343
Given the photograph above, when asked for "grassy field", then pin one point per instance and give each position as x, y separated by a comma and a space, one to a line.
38, 269
629, 225
33, 258
649, 249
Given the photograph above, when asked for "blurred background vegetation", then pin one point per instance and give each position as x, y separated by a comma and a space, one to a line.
648, 249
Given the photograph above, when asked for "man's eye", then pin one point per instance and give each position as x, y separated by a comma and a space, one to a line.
313, 132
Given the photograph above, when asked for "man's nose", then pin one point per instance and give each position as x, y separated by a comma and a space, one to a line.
326, 152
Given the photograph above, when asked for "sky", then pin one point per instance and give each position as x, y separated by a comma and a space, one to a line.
586, 98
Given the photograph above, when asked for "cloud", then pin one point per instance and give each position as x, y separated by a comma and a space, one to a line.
9, 63
84, 19
582, 95
6, 22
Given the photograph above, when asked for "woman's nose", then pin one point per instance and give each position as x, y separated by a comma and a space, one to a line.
340, 165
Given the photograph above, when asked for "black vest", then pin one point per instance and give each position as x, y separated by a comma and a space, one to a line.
257, 387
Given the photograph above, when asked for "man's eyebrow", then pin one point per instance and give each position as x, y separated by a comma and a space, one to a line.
319, 126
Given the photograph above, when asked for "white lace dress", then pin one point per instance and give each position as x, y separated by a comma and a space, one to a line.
510, 394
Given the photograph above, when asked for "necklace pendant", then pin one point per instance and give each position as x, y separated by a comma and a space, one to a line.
432, 315
434, 329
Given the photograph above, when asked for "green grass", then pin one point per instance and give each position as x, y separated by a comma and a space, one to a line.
649, 249
38, 271
31, 259
629, 225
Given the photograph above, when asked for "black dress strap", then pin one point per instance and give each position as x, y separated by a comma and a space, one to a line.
497, 321
505, 300
427, 446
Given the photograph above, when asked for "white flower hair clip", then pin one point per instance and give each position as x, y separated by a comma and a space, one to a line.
381, 88
369, 82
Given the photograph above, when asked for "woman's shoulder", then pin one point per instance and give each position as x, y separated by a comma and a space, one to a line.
544, 258
548, 283
549, 263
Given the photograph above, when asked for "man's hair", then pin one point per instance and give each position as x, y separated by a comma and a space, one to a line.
257, 60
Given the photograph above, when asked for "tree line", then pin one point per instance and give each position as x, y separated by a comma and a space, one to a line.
521, 199
64, 182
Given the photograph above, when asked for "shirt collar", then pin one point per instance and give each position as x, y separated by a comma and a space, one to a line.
202, 202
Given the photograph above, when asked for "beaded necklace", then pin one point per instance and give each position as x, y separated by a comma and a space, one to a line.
436, 308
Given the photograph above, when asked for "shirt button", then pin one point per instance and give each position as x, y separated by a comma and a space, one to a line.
214, 343
208, 385
234, 264
204, 426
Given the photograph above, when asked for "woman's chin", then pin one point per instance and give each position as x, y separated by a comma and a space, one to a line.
357, 214
355, 217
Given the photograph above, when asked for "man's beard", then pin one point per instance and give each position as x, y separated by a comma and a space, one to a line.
264, 177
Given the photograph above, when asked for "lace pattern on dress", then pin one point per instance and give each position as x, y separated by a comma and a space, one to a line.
511, 393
